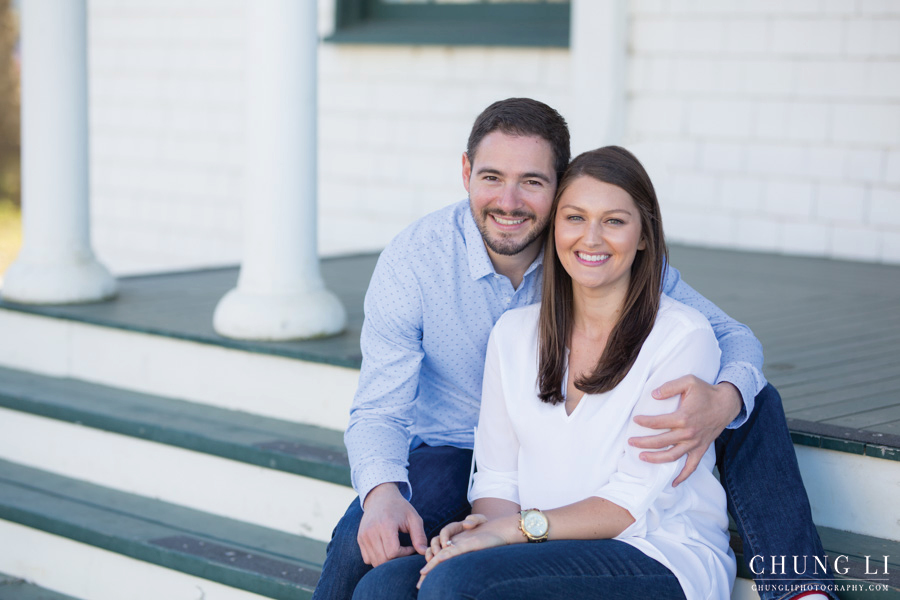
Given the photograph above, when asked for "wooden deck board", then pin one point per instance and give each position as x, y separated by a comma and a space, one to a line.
830, 329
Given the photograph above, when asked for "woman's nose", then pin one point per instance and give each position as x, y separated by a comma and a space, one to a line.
594, 234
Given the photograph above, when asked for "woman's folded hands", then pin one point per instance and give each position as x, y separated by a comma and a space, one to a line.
476, 532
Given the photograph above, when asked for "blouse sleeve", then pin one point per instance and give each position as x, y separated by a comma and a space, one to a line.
636, 484
496, 443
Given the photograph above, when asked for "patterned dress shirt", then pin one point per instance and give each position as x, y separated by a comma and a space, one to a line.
431, 304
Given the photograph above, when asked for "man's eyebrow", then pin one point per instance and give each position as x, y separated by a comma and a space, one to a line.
536, 175
529, 175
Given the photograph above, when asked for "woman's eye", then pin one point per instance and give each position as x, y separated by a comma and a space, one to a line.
573, 218
615, 221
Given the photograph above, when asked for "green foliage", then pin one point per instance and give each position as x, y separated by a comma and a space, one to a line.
10, 188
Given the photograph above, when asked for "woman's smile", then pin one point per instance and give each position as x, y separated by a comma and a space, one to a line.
597, 234
591, 259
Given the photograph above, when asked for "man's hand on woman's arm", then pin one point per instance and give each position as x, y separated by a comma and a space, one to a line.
704, 412
386, 514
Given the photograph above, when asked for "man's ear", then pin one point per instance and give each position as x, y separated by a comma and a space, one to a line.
466, 170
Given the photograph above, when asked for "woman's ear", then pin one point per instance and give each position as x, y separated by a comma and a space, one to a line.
642, 245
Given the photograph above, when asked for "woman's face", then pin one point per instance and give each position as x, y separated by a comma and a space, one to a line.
598, 233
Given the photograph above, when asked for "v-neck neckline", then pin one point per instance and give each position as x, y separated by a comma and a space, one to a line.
565, 386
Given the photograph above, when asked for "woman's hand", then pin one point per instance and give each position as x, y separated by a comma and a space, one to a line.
441, 541
475, 533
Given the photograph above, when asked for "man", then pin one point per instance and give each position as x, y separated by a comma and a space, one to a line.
437, 291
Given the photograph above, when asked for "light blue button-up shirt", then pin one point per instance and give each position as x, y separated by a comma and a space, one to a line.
430, 307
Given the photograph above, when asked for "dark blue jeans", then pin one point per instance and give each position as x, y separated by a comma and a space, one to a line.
556, 570
766, 498
758, 470
439, 478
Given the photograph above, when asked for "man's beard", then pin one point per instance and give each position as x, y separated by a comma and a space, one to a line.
508, 246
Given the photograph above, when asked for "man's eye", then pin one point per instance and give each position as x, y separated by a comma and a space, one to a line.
533, 182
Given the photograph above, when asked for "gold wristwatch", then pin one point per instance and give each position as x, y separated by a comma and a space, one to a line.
534, 525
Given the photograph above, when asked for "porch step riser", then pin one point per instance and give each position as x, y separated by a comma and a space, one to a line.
846, 491
270, 498
272, 386
852, 492
88, 572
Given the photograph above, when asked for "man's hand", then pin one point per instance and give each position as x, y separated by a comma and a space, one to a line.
704, 412
386, 514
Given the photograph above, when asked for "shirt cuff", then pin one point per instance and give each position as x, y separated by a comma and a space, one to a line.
505, 486
749, 382
365, 480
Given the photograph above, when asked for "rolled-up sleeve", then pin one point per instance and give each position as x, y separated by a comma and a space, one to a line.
742, 354
636, 484
377, 437
496, 443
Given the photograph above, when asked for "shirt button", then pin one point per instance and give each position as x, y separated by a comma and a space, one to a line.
507, 299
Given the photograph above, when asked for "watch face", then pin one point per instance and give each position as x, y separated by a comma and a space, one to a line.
535, 523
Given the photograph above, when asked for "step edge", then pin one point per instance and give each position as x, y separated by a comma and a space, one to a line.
48, 312
335, 471
153, 553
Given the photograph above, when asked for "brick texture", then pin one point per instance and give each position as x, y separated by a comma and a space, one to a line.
765, 125
794, 108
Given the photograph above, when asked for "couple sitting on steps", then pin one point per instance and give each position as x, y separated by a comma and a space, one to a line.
605, 390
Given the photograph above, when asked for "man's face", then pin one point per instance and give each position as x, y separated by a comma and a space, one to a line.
511, 186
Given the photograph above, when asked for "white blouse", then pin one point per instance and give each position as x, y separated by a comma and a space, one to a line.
533, 454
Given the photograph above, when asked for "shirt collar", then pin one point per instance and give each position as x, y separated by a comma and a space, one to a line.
480, 264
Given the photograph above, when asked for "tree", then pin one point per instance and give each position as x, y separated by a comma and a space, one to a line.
10, 187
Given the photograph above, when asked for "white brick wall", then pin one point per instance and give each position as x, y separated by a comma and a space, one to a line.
766, 125
794, 111
394, 122
167, 127
167, 112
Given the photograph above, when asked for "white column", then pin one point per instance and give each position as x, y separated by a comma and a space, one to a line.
280, 294
598, 50
56, 264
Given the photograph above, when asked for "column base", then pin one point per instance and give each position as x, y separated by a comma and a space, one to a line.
66, 282
279, 317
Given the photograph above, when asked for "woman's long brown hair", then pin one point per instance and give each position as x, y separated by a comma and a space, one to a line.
619, 167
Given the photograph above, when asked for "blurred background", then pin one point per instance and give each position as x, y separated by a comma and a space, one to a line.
10, 189
767, 126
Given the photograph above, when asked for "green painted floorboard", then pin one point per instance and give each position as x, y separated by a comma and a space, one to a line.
295, 448
248, 557
830, 329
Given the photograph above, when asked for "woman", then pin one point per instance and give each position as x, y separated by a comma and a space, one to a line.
563, 381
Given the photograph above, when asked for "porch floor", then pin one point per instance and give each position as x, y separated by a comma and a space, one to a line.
830, 330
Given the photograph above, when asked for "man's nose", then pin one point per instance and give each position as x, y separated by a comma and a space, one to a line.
510, 198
